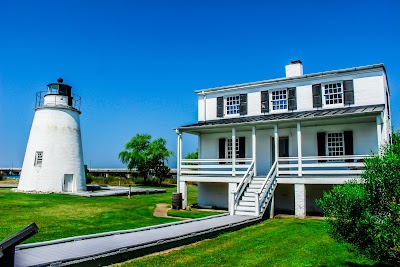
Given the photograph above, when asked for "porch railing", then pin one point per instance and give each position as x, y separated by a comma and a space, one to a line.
238, 192
322, 166
215, 167
266, 192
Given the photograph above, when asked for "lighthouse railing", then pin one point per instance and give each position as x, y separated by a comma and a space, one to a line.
75, 102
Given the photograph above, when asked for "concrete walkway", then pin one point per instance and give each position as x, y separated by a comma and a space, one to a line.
8, 185
113, 247
118, 191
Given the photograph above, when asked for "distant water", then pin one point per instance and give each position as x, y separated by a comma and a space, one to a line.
16, 177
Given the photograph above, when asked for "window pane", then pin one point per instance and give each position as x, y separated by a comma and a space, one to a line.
333, 95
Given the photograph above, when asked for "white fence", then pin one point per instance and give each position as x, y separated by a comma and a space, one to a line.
286, 166
322, 166
214, 167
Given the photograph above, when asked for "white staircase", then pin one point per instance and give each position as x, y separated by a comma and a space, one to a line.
254, 193
247, 204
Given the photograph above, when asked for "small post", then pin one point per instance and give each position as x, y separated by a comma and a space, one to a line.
299, 151
272, 207
233, 152
129, 195
232, 202
254, 147
257, 195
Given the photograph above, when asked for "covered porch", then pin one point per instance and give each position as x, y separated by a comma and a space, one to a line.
298, 149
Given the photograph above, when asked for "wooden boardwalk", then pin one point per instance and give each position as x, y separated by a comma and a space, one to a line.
112, 247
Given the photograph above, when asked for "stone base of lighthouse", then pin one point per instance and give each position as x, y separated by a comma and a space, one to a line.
54, 158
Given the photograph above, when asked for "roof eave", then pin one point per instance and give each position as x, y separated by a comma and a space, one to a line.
286, 79
190, 128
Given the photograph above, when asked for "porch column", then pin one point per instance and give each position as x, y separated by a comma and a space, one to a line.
379, 130
199, 146
254, 144
183, 189
300, 200
233, 152
299, 151
205, 106
276, 141
178, 161
231, 204
272, 207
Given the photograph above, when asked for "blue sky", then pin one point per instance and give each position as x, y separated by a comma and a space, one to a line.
136, 64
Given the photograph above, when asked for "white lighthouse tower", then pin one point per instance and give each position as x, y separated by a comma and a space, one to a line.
54, 158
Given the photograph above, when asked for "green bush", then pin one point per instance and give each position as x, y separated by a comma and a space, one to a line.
89, 178
366, 215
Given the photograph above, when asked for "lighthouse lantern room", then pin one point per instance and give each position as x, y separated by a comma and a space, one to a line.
54, 158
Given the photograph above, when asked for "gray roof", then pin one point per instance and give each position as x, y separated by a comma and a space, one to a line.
286, 79
300, 115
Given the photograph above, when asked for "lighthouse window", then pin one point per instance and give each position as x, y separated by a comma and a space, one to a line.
38, 158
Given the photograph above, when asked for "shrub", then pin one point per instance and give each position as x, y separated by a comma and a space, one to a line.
367, 214
89, 178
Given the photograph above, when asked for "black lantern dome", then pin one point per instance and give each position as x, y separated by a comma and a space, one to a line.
60, 88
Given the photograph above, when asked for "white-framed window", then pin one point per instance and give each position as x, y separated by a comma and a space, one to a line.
333, 93
232, 105
38, 158
229, 146
279, 99
335, 144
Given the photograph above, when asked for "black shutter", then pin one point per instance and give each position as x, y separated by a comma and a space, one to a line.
243, 104
221, 148
292, 102
321, 144
220, 107
264, 101
348, 143
317, 95
242, 147
348, 90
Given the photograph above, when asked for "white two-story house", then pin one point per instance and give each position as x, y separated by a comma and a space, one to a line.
282, 142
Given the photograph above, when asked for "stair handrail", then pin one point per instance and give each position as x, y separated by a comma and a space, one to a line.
237, 193
270, 181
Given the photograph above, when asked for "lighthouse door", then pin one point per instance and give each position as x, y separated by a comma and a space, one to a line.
68, 181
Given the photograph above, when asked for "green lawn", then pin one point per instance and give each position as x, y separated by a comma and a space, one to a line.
278, 242
60, 216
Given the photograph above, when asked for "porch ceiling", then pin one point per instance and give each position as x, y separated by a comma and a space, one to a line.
346, 115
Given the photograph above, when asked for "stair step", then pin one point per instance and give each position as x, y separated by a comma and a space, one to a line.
248, 190
249, 194
258, 179
245, 208
258, 186
247, 203
245, 213
244, 198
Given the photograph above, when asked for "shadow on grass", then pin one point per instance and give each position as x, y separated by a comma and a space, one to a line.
380, 264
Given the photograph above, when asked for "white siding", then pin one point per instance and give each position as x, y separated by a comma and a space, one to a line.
304, 98
253, 103
369, 89
200, 104
213, 195
211, 107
